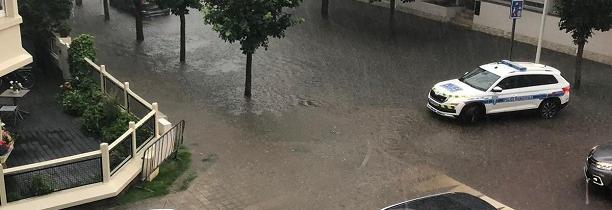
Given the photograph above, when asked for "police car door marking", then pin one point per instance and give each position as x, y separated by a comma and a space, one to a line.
495, 100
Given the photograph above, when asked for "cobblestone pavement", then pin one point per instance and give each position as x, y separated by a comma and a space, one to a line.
338, 117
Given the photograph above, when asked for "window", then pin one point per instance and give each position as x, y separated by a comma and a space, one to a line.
536, 80
526, 81
509, 83
480, 79
514, 82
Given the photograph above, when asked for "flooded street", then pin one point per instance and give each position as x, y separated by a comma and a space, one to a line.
338, 117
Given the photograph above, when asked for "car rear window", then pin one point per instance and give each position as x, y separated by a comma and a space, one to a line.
536, 80
453, 201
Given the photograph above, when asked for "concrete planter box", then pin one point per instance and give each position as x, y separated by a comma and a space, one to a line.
58, 49
430, 10
422, 9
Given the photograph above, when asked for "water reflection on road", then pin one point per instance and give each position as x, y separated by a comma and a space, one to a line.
334, 86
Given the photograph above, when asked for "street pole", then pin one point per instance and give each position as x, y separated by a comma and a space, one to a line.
516, 10
512, 37
544, 14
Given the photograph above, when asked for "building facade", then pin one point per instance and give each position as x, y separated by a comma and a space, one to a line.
494, 19
12, 54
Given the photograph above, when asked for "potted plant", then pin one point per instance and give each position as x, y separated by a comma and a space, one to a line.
6, 146
16, 86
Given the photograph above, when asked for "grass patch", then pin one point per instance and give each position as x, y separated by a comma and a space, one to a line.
187, 181
169, 171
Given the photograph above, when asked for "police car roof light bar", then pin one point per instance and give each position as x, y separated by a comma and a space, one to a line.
514, 65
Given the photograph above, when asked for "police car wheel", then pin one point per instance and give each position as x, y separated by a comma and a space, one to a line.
472, 114
549, 108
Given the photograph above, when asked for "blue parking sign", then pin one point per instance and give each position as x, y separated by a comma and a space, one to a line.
516, 9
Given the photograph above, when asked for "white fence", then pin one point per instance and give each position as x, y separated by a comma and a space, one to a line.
92, 169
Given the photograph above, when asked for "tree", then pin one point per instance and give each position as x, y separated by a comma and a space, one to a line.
581, 18
41, 17
392, 5
251, 23
180, 8
138, 16
324, 7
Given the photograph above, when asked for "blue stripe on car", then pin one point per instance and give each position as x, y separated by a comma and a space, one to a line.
495, 100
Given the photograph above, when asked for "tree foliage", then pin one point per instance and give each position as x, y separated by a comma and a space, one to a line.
43, 16
249, 22
179, 7
81, 47
581, 17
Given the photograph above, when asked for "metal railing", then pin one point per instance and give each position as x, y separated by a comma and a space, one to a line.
167, 145
52, 177
145, 130
119, 154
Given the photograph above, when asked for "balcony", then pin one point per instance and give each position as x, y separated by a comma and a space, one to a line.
12, 55
55, 165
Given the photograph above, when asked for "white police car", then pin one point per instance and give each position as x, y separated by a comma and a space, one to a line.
501, 87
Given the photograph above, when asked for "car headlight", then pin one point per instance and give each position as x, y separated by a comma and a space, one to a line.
604, 166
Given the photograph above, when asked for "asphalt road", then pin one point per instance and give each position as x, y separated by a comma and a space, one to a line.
338, 117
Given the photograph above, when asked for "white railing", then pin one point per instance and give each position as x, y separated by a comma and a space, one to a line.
103, 154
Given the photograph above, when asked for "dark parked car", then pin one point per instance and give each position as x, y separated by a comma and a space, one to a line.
149, 8
598, 169
444, 201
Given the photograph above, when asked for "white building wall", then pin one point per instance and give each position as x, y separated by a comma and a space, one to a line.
494, 19
12, 54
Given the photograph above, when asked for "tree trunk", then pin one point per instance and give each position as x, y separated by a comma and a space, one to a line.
79, 2
139, 33
182, 38
578, 74
324, 8
247, 81
392, 7
106, 13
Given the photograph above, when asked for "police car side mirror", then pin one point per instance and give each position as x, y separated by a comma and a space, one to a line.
497, 89
465, 73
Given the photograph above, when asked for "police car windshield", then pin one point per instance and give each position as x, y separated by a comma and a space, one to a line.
480, 79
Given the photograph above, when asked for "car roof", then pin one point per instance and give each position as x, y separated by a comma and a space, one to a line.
506, 68
444, 201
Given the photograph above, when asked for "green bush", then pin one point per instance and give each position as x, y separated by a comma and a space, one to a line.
81, 47
117, 127
63, 29
41, 185
73, 102
78, 94
102, 112
92, 118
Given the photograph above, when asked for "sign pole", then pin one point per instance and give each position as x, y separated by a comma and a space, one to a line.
516, 10
512, 37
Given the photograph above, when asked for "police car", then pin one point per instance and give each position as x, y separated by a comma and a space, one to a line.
501, 87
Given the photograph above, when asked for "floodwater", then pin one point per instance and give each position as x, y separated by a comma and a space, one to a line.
338, 117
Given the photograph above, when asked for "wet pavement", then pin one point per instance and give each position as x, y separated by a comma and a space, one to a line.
338, 117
